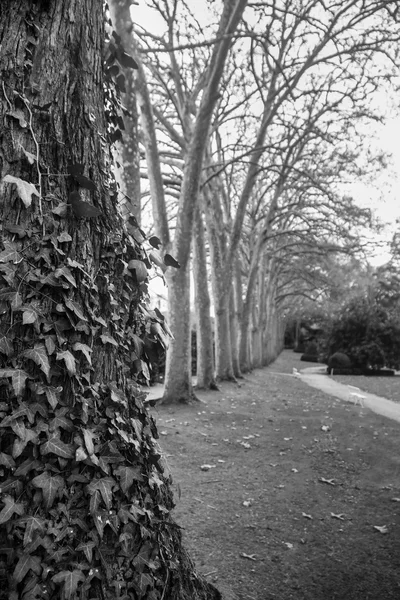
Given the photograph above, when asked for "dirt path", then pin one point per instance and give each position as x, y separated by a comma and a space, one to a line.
280, 487
315, 377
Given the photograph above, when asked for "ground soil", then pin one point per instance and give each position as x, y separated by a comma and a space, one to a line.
296, 483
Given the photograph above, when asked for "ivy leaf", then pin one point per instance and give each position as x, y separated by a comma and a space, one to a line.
18, 114
52, 394
6, 346
24, 188
80, 454
100, 320
10, 507
31, 158
10, 254
29, 315
7, 461
18, 229
39, 356
64, 237
86, 350
126, 476
16, 302
88, 437
71, 581
18, 380
33, 524
49, 485
55, 446
171, 262
140, 269
126, 60
61, 209
75, 308
85, 182
28, 465
87, 548
155, 257
104, 486
66, 273
155, 242
69, 361
107, 339
50, 344
26, 563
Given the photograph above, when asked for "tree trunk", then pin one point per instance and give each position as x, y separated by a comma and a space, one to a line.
204, 333
236, 316
128, 146
176, 379
85, 506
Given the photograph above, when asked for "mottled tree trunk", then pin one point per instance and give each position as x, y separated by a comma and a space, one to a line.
236, 316
204, 332
128, 147
85, 505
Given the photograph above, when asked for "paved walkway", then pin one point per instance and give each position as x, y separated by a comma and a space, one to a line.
317, 378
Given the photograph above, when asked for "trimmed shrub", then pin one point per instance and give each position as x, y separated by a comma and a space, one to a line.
339, 360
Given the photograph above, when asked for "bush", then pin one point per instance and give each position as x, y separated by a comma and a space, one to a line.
339, 360
367, 333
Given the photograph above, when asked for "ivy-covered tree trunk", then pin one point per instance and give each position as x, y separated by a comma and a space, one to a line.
85, 504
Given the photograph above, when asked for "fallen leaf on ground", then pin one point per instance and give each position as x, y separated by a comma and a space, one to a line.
289, 545
325, 428
395, 499
294, 471
163, 432
249, 556
328, 481
207, 467
248, 502
288, 439
245, 445
381, 529
306, 516
340, 516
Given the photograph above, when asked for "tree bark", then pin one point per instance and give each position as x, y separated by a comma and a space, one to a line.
128, 146
85, 506
176, 378
204, 332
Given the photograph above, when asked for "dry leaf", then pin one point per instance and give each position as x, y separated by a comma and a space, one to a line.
381, 528
395, 499
289, 545
305, 515
340, 516
325, 428
249, 556
207, 467
328, 481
